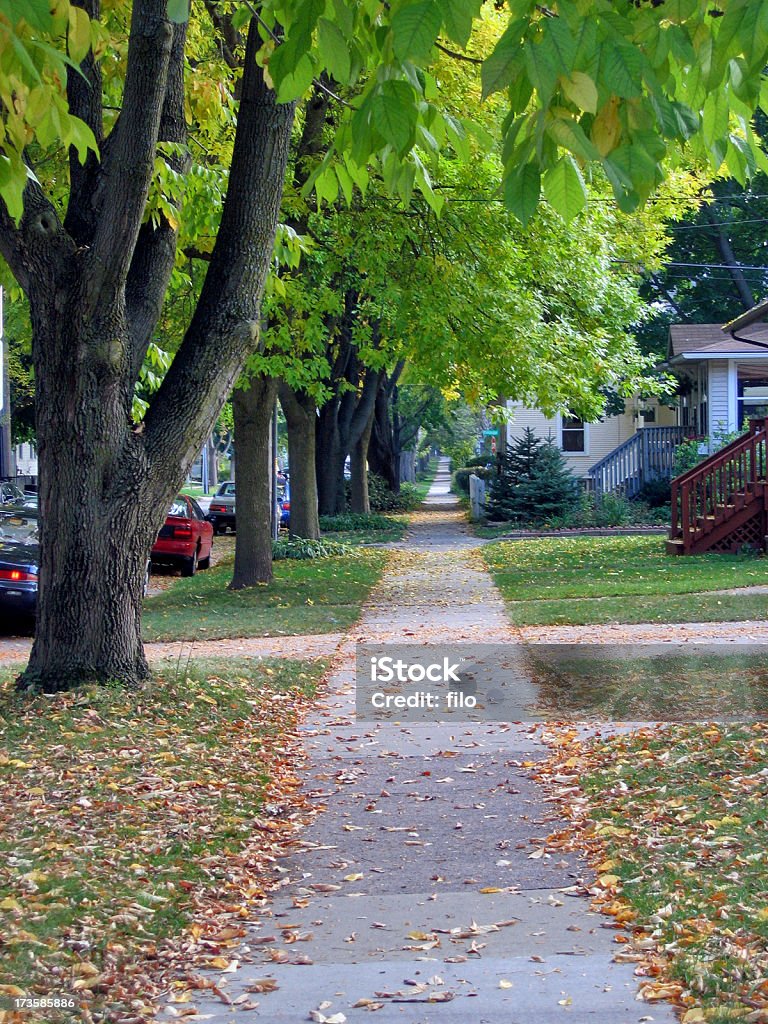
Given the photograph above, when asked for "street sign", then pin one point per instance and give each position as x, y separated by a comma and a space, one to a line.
491, 433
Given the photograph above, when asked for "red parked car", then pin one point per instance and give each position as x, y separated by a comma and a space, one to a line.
186, 538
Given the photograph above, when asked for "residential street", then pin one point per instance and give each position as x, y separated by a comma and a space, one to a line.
421, 890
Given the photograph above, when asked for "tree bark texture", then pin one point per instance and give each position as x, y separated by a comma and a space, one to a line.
253, 406
300, 414
95, 285
383, 458
345, 415
359, 499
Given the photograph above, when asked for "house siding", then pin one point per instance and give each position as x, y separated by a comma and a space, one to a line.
720, 416
602, 437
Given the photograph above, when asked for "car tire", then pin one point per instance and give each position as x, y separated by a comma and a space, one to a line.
204, 563
189, 565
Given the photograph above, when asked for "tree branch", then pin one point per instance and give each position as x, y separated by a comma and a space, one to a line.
39, 248
742, 288
225, 326
128, 165
85, 101
229, 37
155, 252
458, 56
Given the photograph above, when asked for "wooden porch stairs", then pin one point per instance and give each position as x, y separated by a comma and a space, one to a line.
722, 504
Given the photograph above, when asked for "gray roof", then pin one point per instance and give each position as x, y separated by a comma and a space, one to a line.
707, 341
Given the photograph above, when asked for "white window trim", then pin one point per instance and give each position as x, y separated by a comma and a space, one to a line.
733, 399
560, 438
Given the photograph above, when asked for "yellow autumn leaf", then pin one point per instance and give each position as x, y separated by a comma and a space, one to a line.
607, 881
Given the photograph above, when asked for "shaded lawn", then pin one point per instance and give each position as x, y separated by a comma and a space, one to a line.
649, 682
364, 528
555, 581
321, 595
126, 814
675, 825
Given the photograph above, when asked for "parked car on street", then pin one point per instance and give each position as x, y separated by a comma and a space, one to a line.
284, 504
12, 494
19, 559
185, 539
221, 512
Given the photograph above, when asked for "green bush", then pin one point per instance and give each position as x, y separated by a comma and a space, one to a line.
460, 452
301, 548
687, 456
460, 480
383, 500
480, 460
613, 510
460, 477
357, 521
656, 493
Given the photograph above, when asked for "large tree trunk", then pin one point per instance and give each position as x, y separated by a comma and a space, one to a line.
95, 284
360, 501
383, 460
300, 415
329, 461
253, 405
96, 524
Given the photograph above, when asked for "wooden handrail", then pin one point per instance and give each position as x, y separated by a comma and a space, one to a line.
718, 487
647, 453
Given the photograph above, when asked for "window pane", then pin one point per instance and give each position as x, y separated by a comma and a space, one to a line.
572, 434
573, 441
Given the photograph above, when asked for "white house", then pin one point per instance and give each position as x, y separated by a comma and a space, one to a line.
723, 381
724, 376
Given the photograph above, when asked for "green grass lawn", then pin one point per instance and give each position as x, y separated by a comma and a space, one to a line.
364, 528
127, 815
320, 595
675, 827
592, 580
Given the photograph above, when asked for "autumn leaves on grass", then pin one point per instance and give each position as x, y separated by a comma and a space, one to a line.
138, 827
673, 821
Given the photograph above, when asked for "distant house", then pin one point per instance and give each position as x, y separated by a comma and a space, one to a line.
723, 381
726, 375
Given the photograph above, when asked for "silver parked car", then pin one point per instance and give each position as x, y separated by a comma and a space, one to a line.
221, 511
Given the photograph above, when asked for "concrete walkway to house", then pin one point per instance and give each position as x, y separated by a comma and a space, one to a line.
423, 889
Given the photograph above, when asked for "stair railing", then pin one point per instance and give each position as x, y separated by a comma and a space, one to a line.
717, 488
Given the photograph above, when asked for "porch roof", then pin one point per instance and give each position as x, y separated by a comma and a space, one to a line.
689, 342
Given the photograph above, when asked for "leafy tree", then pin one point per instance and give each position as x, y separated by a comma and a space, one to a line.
93, 244
534, 484
705, 280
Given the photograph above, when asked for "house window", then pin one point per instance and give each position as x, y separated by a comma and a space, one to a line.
572, 434
752, 399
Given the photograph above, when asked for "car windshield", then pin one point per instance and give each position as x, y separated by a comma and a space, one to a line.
179, 508
18, 528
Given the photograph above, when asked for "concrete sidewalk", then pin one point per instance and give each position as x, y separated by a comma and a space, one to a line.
421, 891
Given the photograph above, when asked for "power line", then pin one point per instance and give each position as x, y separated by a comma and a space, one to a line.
717, 224
704, 266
